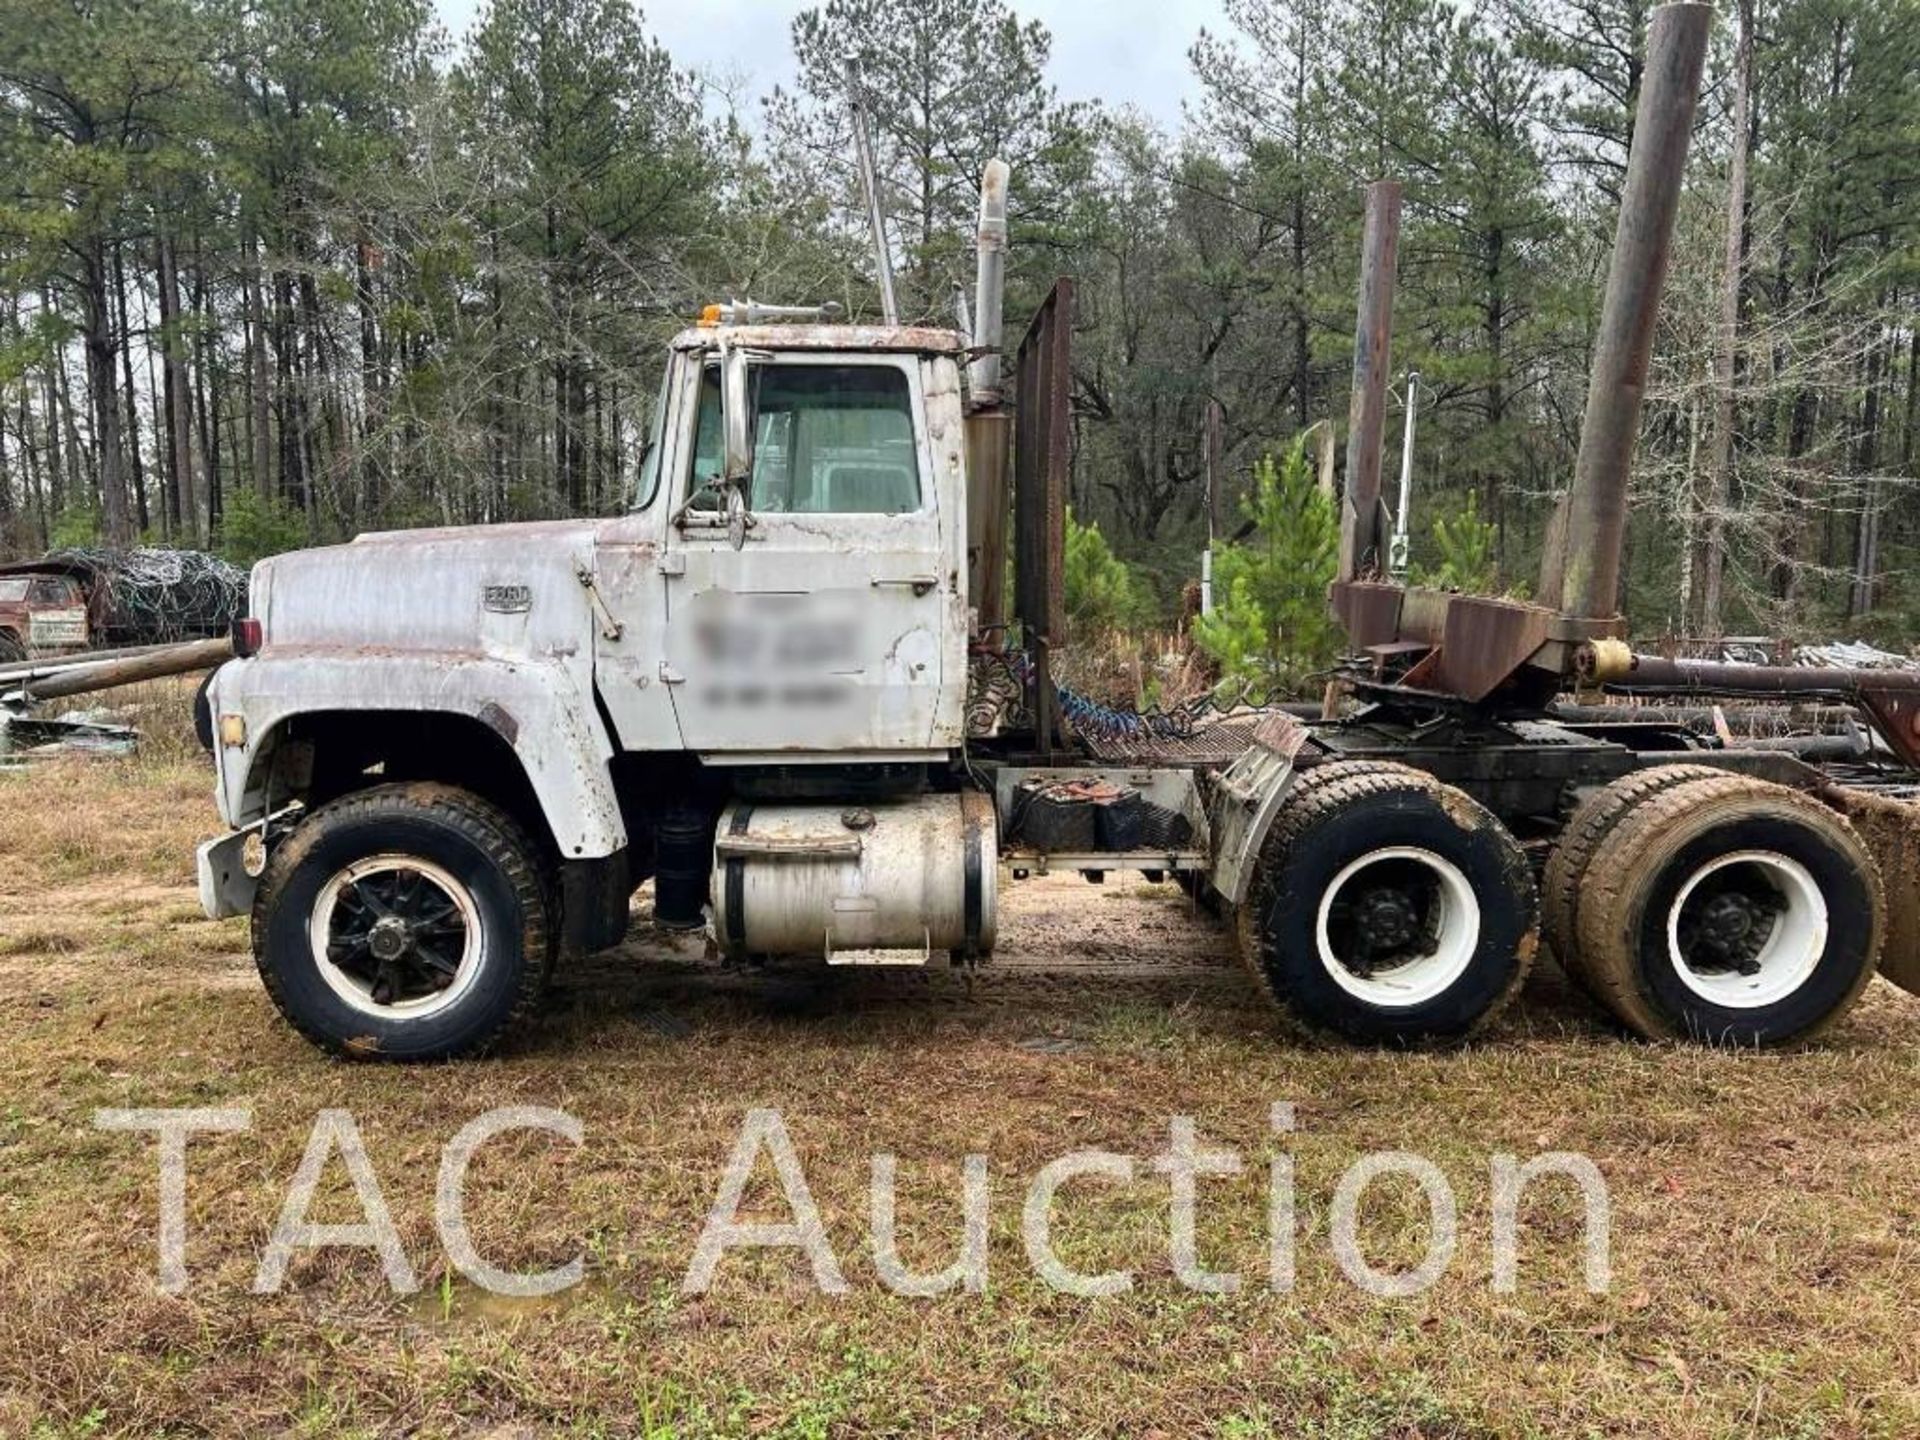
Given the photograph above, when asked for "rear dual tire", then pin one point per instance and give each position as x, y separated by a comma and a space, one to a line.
1716, 908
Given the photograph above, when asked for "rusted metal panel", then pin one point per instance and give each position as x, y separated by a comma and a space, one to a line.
1485, 641
1369, 611
1041, 457
1477, 643
1896, 713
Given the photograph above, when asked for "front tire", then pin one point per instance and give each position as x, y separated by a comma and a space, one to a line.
406, 922
1391, 909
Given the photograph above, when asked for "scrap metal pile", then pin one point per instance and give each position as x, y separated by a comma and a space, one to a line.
25, 738
154, 596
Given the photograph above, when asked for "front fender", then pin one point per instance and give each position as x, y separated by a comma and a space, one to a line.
541, 708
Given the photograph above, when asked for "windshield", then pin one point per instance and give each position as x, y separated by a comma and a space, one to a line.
14, 590
650, 455
828, 439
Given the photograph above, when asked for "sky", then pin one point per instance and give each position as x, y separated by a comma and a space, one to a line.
1122, 52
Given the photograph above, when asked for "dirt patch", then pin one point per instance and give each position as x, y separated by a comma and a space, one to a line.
1765, 1219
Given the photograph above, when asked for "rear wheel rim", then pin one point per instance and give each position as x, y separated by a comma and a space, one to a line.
397, 937
1747, 930
1398, 927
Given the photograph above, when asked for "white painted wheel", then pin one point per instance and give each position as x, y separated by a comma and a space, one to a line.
1747, 929
1398, 927
397, 937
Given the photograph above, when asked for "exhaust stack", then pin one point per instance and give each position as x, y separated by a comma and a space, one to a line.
990, 287
1580, 573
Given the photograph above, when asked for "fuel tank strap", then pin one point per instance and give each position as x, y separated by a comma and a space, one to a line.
736, 918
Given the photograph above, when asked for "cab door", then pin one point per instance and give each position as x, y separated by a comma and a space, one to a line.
822, 630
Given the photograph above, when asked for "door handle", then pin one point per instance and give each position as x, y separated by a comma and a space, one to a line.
919, 584
670, 676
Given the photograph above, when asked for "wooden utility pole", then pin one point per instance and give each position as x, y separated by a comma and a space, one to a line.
1726, 360
1580, 573
1219, 517
1363, 527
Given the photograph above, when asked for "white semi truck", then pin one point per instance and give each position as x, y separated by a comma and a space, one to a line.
786, 687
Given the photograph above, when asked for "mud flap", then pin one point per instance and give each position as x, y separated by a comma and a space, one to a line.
1891, 829
225, 886
1247, 796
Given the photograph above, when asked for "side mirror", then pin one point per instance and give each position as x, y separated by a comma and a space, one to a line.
736, 393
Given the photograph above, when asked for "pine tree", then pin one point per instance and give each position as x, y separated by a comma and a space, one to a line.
1270, 626
949, 85
603, 161
1102, 593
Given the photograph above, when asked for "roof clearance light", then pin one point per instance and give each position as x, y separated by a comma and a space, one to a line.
752, 312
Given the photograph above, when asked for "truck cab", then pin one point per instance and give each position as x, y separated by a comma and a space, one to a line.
461, 750
789, 585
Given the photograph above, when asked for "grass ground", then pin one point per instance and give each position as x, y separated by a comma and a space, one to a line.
1766, 1207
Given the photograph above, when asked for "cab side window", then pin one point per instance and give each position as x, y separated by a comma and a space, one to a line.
829, 440
708, 440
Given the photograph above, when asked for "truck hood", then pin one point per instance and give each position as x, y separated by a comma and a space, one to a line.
484, 589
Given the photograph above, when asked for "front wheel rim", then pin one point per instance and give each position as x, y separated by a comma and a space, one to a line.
1398, 927
1747, 930
396, 937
